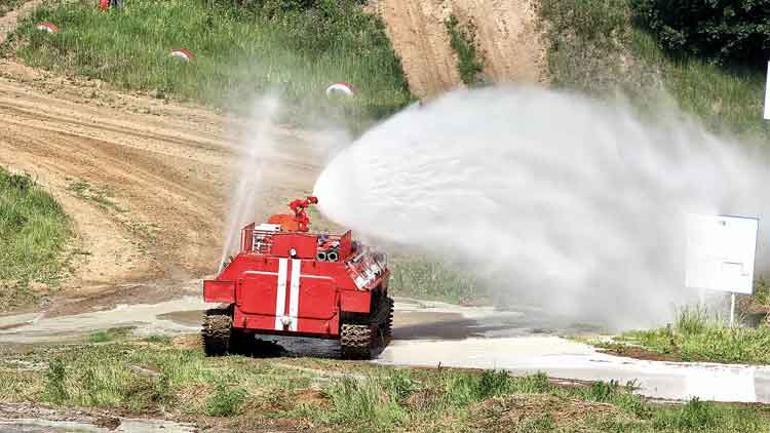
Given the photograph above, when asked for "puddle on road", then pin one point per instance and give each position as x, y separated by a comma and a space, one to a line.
126, 426
188, 318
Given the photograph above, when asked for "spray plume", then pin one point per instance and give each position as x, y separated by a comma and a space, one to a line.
257, 145
553, 198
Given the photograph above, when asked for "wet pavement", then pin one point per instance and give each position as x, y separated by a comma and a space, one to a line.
432, 334
125, 426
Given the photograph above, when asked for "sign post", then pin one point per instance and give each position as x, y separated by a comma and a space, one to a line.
720, 255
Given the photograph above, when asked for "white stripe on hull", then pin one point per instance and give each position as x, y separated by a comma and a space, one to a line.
280, 296
259, 273
294, 293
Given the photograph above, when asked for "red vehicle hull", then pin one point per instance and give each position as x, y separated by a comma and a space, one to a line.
294, 283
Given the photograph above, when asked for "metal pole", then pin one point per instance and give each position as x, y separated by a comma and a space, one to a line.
732, 310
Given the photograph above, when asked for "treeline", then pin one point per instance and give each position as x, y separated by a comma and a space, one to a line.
721, 31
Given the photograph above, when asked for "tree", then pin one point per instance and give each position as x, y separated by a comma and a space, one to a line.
723, 31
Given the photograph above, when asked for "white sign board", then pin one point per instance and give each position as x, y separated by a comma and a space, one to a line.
767, 94
720, 253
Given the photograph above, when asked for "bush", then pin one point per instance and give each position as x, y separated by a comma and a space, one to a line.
463, 41
720, 30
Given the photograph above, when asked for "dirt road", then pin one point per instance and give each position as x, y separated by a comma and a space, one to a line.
510, 44
144, 180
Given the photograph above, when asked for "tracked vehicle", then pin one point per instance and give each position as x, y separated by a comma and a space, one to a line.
288, 281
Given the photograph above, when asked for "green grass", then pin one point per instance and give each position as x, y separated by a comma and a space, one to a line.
109, 335
103, 197
595, 47
33, 233
238, 394
423, 278
463, 42
697, 335
762, 292
240, 52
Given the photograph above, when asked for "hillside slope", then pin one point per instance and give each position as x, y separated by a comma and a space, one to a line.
507, 35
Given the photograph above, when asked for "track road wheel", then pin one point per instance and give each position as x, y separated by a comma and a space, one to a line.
356, 341
388, 321
216, 332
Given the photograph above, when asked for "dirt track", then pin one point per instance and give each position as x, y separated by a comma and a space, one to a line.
507, 36
144, 180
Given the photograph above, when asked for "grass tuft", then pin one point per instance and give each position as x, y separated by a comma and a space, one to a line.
137, 378
34, 231
463, 42
698, 335
109, 335
226, 400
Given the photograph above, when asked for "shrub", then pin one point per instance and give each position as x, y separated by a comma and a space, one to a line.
721, 30
463, 42
55, 388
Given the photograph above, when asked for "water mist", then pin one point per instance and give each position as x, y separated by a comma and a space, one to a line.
256, 146
553, 198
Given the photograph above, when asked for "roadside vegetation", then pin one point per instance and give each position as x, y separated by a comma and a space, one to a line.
701, 56
420, 278
463, 41
696, 335
33, 233
604, 47
244, 394
294, 49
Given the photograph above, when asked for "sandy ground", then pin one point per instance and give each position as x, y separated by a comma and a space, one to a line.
419, 37
507, 36
9, 20
153, 176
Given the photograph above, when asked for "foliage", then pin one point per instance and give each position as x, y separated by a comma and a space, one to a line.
320, 395
428, 279
240, 52
463, 42
697, 335
226, 400
109, 335
720, 30
762, 292
33, 233
595, 47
